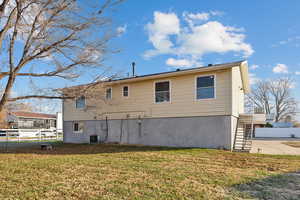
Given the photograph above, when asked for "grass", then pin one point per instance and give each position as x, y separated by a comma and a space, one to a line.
136, 172
292, 144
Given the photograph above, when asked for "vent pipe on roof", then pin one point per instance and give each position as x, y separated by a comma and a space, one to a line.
133, 69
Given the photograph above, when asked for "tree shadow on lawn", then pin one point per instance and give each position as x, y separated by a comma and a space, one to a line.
72, 149
279, 187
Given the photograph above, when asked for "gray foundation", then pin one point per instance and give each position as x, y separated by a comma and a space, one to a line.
204, 132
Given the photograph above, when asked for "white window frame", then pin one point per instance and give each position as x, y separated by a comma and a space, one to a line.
84, 103
170, 91
123, 91
79, 131
215, 87
111, 93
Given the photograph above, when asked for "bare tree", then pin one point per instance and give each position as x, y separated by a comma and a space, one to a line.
260, 96
47, 39
284, 103
273, 97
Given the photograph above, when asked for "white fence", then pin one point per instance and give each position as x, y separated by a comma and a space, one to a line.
29, 134
277, 132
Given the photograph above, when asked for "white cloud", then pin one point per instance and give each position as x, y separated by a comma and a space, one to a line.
213, 37
164, 25
194, 41
294, 40
280, 69
254, 67
191, 18
178, 62
297, 72
121, 30
253, 79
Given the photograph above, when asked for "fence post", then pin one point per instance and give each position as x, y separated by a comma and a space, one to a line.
6, 146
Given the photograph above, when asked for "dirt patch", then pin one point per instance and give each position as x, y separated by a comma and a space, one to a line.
286, 186
292, 144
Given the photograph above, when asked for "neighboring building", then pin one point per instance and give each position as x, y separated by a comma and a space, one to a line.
199, 107
287, 122
30, 120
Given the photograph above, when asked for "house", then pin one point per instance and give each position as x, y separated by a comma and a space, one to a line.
30, 120
198, 107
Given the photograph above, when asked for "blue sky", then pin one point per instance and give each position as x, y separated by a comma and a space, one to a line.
270, 28
162, 35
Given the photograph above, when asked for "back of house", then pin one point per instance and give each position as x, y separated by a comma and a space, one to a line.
196, 107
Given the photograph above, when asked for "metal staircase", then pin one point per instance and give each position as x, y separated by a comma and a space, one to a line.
243, 136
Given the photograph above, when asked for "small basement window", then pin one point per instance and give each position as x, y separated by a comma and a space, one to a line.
78, 127
205, 87
162, 91
108, 93
80, 102
125, 91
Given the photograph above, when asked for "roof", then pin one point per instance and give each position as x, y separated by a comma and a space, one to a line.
242, 64
33, 115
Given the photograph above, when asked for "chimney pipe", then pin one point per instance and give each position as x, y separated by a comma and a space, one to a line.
133, 69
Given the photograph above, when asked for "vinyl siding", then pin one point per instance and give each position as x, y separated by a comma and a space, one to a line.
237, 92
183, 103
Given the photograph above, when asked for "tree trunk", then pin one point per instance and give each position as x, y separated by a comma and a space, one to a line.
7, 90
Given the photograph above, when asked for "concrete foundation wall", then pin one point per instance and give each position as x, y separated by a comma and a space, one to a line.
204, 132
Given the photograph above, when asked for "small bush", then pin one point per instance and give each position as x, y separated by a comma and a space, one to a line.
268, 125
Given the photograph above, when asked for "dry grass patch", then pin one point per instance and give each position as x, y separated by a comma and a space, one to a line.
134, 172
292, 144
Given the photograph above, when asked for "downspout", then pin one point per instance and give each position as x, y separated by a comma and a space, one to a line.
106, 121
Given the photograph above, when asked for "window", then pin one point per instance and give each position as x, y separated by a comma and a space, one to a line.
78, 127
162, 92
80, 102
108, 93
125, 91
205, 87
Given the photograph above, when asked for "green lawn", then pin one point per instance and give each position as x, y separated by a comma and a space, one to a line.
134, 172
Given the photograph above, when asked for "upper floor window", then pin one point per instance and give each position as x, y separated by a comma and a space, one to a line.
162, 91
205, 87
80, 102
109, 93
125, 91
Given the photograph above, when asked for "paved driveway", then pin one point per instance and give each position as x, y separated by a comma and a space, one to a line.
274, 146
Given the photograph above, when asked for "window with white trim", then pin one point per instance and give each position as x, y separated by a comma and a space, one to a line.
125, 91
80, 102
109, 93
205, 87
162, 91
78, 127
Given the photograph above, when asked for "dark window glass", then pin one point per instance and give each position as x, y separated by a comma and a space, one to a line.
80, 102
206, 87
108, 93
162, 92
76, 127
125, 91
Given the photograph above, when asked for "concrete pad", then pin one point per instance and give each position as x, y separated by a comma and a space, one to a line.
274, 146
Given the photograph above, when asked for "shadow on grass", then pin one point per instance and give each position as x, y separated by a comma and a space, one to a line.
279, 187
68, 149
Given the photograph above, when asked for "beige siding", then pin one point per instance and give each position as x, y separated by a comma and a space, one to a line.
140, 102
237, 92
